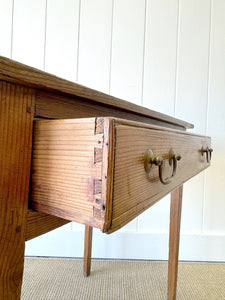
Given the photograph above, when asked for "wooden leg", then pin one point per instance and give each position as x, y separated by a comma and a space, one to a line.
16, 115
175, 217
87, 250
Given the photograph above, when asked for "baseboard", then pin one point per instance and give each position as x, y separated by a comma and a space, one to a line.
127, 245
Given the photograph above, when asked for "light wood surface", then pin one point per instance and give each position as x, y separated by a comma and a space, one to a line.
87, 250
89, 170
39, 223
175, 219
16, 115
133, 189
55, 106
95, 175
18, 73
67, 169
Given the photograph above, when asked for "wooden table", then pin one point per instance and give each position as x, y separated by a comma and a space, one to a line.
28, 95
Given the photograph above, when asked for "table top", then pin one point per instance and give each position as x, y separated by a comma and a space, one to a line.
16, 72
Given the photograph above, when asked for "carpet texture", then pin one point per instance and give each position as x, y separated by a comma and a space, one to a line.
48, 278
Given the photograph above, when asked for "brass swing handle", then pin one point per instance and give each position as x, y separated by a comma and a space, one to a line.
208, 152
150, 159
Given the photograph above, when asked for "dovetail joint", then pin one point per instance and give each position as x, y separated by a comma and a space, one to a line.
99, 125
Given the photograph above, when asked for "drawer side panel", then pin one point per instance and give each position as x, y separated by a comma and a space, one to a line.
67, 169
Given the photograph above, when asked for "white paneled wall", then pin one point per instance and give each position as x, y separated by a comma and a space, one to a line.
6, 14
168, 55
62, 38
128, 36
214, 208
95, 44
191, 93
28, 32
159, 81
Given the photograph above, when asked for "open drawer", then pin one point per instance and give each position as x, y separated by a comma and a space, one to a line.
104, 172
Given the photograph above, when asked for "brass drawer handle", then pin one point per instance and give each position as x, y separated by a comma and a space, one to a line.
208, 152
150, 159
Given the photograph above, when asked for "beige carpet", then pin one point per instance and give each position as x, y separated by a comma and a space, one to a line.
126, 280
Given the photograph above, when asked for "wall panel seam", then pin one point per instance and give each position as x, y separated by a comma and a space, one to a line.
78, 41
209, 64
111, 42
45, 37
11, 48
144, 51
143, 77
177, 57
207, 107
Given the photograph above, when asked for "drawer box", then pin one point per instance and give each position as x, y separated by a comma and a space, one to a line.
98, 171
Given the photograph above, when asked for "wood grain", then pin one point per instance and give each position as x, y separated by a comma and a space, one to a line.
55, 106
133, 189
39, 223
87, 170
175, 219
16, 72
67, 181
64, 171
87, 250
16, 115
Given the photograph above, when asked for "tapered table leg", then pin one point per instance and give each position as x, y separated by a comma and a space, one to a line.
16, 120
175, 218
87, 250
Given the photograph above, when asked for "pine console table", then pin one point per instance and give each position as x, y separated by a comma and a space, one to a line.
70, 153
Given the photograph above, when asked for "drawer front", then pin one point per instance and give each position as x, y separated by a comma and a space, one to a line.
137, 183
97, 171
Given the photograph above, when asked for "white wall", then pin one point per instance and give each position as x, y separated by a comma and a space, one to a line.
168, 55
